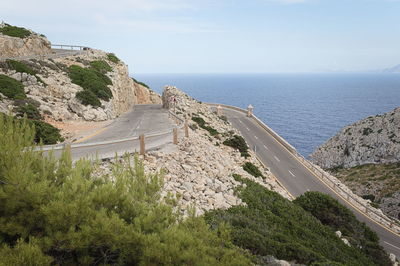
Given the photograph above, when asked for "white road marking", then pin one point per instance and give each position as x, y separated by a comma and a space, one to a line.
292, 173
265, 147
256, 137
276, 158
391, 245
247, 129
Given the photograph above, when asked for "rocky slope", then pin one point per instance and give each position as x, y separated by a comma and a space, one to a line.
199, 172
50, 86
372, 140
34, 44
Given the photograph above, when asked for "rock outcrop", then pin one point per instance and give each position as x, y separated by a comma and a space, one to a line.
200, 171
372, 140
34, 44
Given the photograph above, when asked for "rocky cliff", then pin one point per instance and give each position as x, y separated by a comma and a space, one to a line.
48, 81
32, 44
375, 139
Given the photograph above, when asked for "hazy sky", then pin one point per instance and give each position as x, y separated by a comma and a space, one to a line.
205, 36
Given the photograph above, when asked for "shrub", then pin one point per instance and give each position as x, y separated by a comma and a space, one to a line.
91, 79
272, 225
14, 31
113, 58
238, 143
23, 68
140, 83
101, 66
200, 121
64, 214
30, 110
46, 133
87, 97
367, 131
252, 169
331, 213
11, 88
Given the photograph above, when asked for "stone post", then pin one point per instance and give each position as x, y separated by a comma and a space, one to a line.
186, 129
250, 109
175, 136
219, 110
67, 149
142, 145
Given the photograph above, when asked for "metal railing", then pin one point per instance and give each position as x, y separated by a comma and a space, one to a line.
328, 179
69, 47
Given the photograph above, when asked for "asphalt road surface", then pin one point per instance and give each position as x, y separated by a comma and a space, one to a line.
294, 176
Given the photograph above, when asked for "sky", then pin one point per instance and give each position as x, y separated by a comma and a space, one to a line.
223, 36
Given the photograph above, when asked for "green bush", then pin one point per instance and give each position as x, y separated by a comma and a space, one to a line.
113, 58
238, 143
91, 79
46, 133
200, 121
252, 169
87, 97
14, 31
29, 110
331, 213
141, 83
272, 225
101, 66
54, 211
23, 68
11, 88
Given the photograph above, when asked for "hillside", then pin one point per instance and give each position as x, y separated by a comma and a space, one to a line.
375, 139
90, 85
395, 69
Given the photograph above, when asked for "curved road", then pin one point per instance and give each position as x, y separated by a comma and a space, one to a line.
294, 176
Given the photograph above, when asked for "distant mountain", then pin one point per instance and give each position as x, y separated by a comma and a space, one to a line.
395, 69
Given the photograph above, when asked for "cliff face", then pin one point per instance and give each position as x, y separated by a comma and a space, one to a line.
34, 44
371, 140
51, 86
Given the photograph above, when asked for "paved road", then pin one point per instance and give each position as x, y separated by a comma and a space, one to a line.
296, 178
143, 119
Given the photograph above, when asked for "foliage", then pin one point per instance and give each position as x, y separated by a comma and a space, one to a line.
141, 83
29, 110
200, 121
91, 79
272, 225
11, 88
101, 66
331, 213
113, 58
88, 97
237, 142
46, 133
253, 170
22, 68
14, 31
57, 212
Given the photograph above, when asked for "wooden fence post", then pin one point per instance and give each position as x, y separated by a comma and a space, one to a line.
175, 135
142, 145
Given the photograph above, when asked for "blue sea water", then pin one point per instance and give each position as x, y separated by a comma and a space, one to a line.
305, 109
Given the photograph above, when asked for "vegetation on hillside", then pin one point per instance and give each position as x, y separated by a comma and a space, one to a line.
331, 213
237, 142
253, 170
380, 180
272, 225
54, 212
113, 58
93, 80
11, 88
200, 121
101, 66
14, 31
21, 67
140, 83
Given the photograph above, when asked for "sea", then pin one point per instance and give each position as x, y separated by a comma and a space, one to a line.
305, 109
